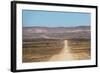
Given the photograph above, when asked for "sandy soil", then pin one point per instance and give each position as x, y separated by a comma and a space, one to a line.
72, 50
65, 54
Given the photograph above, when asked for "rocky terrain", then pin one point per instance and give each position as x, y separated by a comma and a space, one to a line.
57, 32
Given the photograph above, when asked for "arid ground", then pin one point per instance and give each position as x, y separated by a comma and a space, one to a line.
42, 44
41, 50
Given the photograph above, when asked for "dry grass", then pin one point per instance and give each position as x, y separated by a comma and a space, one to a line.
40, 50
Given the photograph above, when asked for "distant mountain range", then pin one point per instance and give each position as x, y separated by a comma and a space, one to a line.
56, 32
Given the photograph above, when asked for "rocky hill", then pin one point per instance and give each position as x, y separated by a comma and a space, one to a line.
57, 32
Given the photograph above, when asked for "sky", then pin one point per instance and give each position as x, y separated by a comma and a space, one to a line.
54, 18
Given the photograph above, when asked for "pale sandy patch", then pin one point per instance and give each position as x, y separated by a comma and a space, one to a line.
64, 55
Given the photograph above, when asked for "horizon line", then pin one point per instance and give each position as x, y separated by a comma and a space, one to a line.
56, 26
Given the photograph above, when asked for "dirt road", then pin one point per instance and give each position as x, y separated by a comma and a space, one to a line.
64, 55
78, 51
